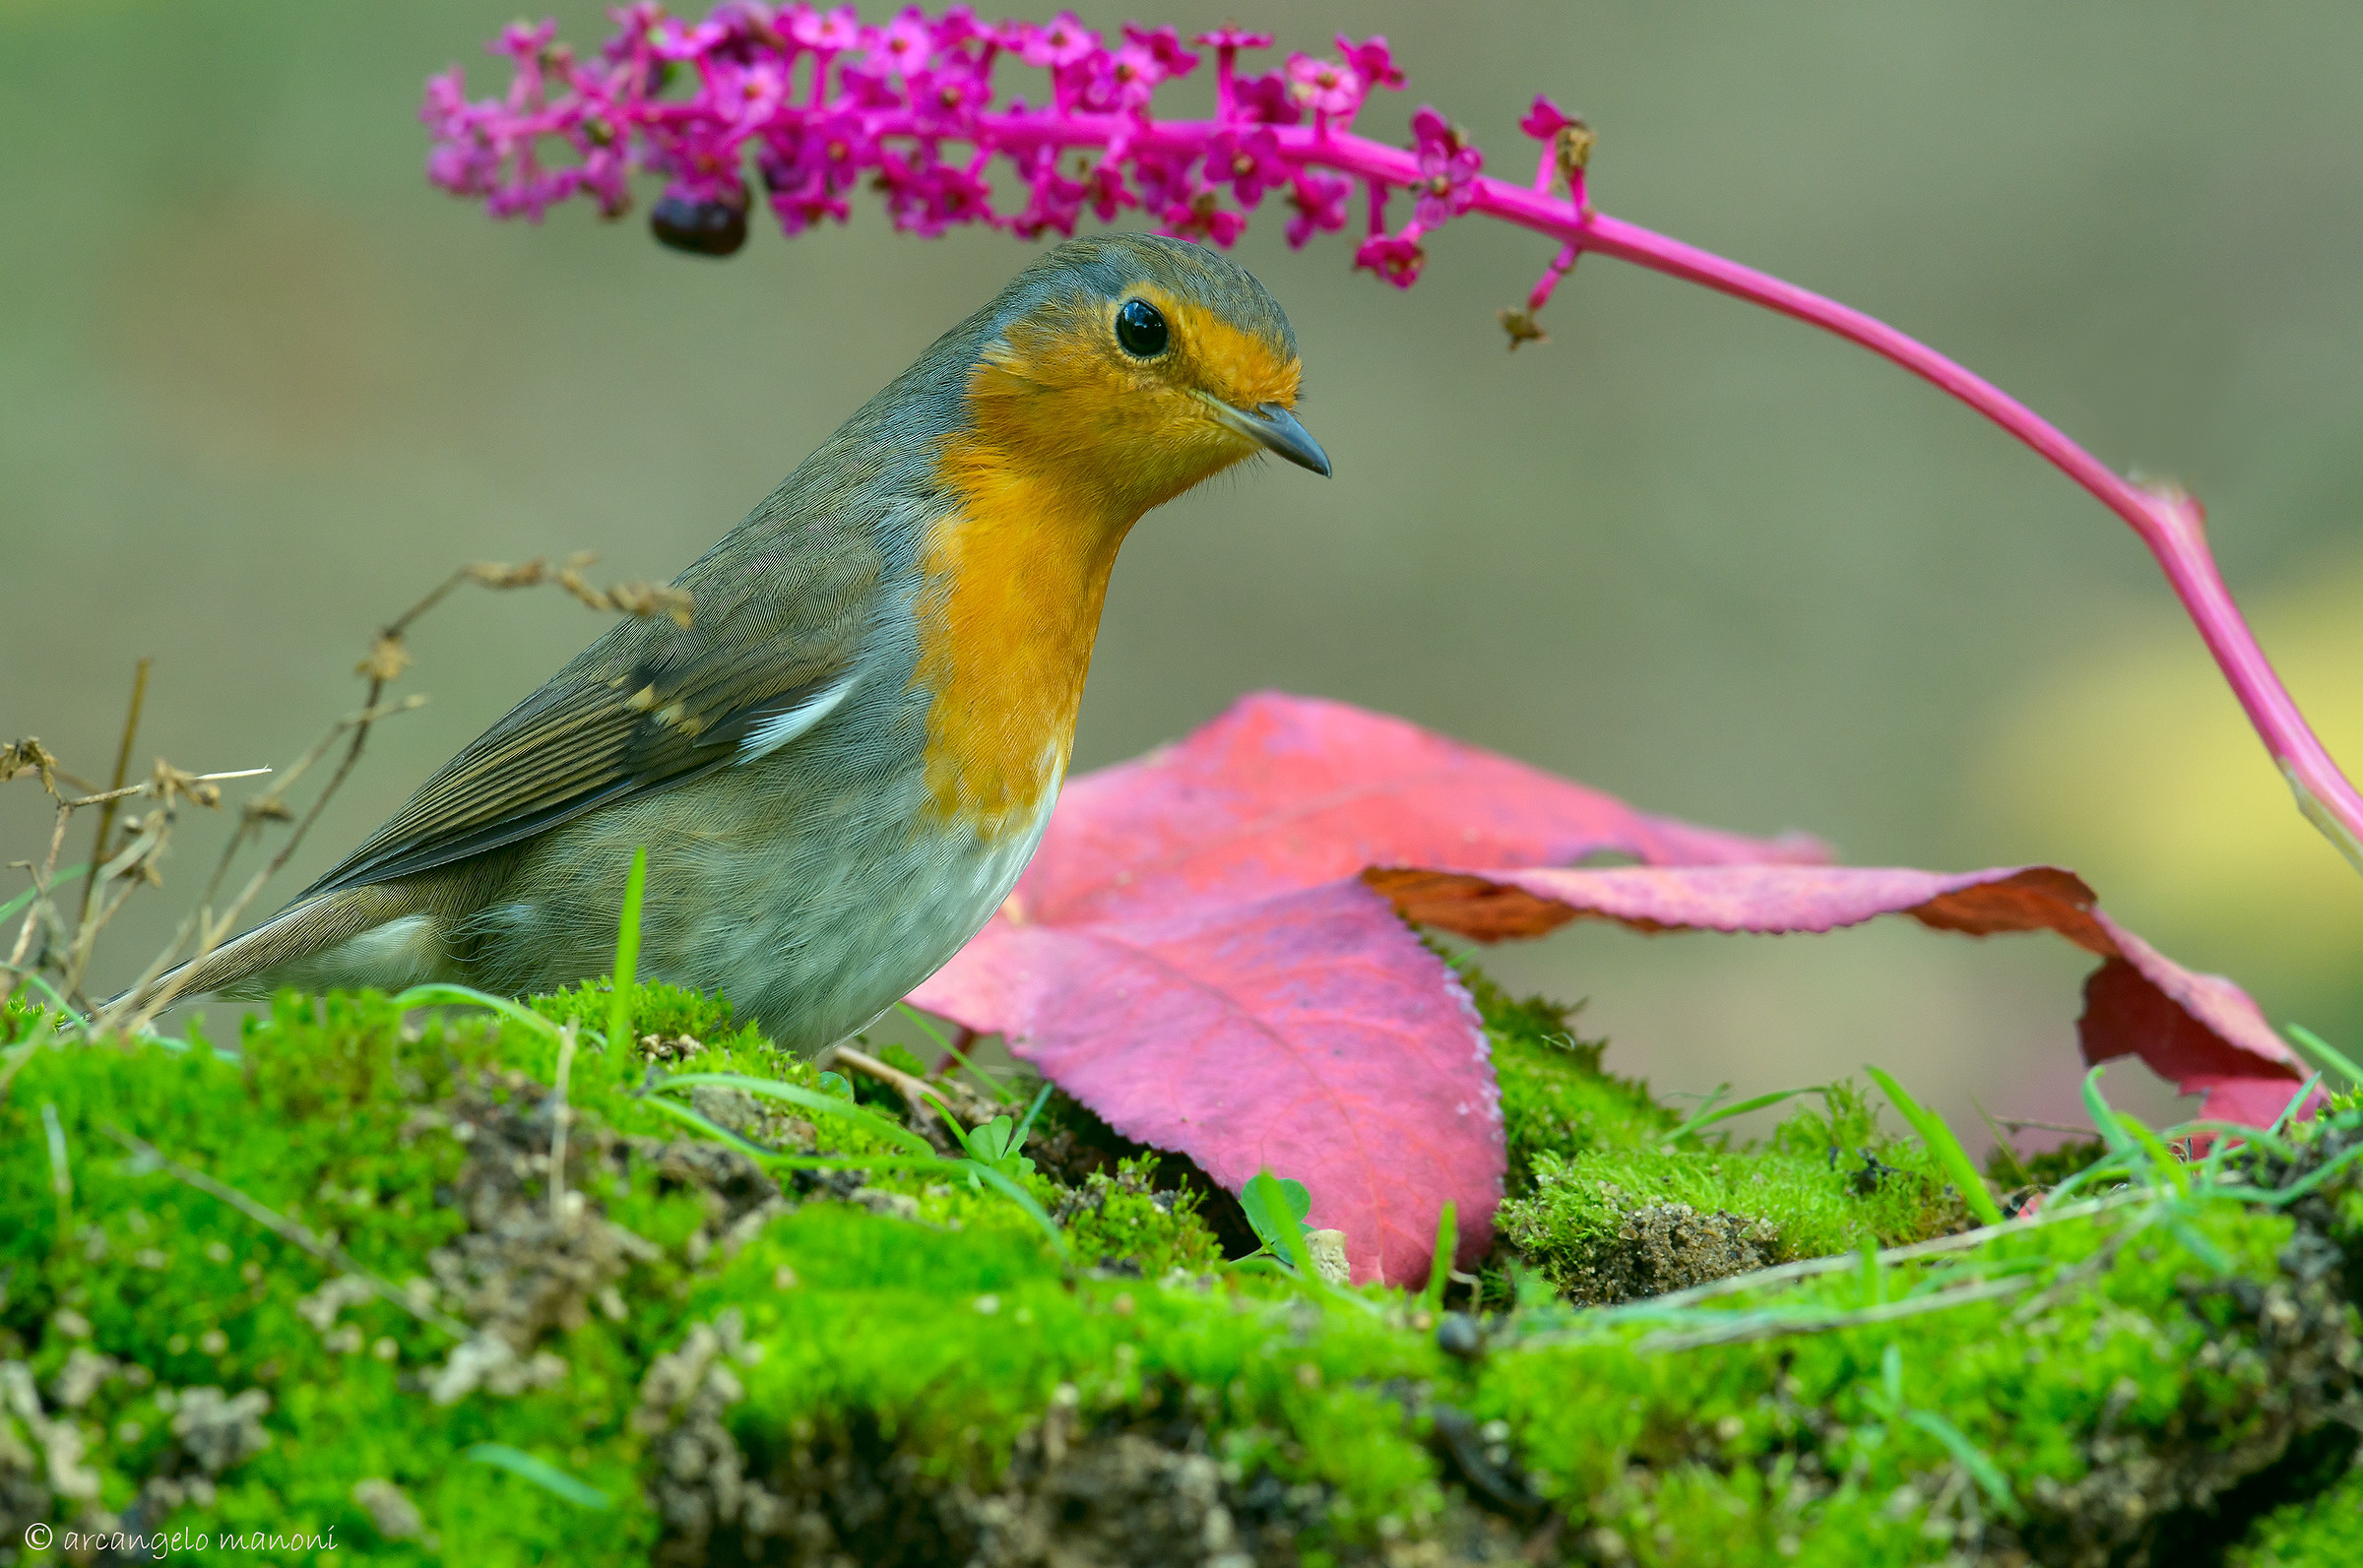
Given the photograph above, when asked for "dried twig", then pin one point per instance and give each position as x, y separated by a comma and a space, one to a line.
560, 1114
135, 861
107, 813
918, 1093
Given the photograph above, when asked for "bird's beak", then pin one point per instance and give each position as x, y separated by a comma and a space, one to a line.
1275, 429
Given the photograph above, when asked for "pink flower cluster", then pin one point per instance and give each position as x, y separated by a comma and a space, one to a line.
812, 103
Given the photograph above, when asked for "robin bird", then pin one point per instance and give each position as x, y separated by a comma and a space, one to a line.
841, 766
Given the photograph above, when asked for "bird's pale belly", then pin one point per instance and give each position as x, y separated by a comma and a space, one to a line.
813, 914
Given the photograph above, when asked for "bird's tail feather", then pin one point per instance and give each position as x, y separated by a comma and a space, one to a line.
300, 946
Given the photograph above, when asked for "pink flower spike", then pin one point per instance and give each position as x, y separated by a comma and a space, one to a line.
608, 113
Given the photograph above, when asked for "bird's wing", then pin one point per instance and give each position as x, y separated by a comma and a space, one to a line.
647, 706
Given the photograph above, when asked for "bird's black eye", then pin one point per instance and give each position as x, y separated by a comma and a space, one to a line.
1140, 329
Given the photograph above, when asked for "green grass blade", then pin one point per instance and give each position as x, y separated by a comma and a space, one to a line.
1709, 1114
2002, 1142
541, 1471
2296, 1104
999, 1090
2322, 1050
438, 994
1944, 1146
627, 953
23, 901
2163, 1161
930, 1160
1983, 1470
1023, 1198
810, 1099
1041, 1099
1440, 1261
2279, 1196
2105, 1120
712, 1129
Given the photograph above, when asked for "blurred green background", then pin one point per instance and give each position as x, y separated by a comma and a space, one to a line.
260, 386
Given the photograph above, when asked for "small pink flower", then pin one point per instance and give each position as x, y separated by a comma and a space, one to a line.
1234, 38
1165, 47
1320, 198
1058, 200
949, 97
1324, 86
1248, 161
746, 96
1123, 81
864, 89
1062, 40
1266, 99
524, 42
1449, 166
1372, 61
1203, 218
1109, 194
673, 41
1397, 258
958, 25
827, 32
906, 43
1545, 120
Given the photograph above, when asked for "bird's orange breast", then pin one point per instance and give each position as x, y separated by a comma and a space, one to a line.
1012, 583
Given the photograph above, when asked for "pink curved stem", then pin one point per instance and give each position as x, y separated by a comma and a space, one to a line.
2170, 522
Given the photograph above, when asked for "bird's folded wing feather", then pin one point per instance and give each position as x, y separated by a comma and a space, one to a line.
647, 706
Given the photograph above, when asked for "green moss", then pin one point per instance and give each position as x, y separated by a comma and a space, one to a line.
1610, 1220
1556, 1098
1120, 1220
2048, 1168
2322, 1532
893, 1367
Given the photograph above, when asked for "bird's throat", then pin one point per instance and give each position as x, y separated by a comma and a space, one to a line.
1012, 582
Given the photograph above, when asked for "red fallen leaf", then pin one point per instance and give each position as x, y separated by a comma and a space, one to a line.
1191, 956
2199, 1030
1188, 1043
1309, 1032
1284, 792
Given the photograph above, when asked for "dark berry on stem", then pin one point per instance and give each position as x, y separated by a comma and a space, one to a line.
703, 228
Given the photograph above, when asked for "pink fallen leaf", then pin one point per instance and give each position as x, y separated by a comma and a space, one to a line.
2201, 1031
1309, 1032
1284, 792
